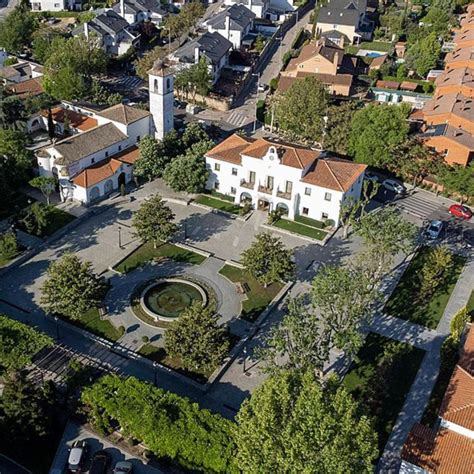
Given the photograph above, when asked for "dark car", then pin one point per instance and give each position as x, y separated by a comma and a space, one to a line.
77, 455
100, 463
460, 211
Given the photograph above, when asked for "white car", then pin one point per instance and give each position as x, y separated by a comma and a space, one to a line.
394, 186
75, 462
434, 230
262, 87
123, 467
369, 176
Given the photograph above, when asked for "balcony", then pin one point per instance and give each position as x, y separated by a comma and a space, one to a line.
284, 195
246, 184
264, 189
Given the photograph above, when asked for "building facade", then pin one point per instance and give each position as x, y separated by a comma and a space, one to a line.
272, 175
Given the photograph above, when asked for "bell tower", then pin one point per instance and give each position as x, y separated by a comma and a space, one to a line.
160, 83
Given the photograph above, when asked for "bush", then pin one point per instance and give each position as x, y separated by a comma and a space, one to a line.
274, 84
329, 223
145, 339
173, 427
8, 245
458, 323
121, 329
275, 215
246, 208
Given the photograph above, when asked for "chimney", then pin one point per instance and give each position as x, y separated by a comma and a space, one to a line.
196, 54
86, 30
122, 8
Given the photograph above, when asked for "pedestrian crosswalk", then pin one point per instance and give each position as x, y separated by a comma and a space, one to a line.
237, 119
124, 82
418, 206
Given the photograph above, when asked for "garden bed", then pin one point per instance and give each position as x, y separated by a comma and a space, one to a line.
258, 298
403, 302
300, 229
380, 379
218, 203
147, 253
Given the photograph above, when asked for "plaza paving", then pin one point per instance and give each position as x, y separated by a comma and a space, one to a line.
97, 240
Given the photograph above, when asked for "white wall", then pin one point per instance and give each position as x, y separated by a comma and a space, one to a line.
161, 104
48, 5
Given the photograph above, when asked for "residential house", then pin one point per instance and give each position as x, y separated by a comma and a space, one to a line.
275, 175
447, 448
213, 47
113, 32
392, 92
464, 39
257, 7
455, 81
55, 5
29, 88
346, 17
138, 11
324, 60
234, 24
460, 58
98, 157
20, 72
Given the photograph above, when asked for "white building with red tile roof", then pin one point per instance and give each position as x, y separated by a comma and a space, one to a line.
296, 179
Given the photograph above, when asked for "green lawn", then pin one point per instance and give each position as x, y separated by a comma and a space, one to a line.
310, 222
57, 218
404, 304
381, 46
146, 253
301, 229
216, 203
91, 322
258, 298
380, 379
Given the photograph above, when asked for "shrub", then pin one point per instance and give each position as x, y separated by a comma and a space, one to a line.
8, 245
329, 223
246, 208
459, 321
145, 339
275, 215
274, 84
169, 425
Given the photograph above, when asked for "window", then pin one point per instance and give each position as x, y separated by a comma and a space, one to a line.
92, 161
120, 147
155, 85
270, 182
307, 191
106, 154
234, 171
168, 84
138, 138
324, 215
288, 187
216, 185
327, 196
217, 166
233, 191
305, 211
252, 177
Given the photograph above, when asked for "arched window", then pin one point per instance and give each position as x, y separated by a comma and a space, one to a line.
156, 85
168, 84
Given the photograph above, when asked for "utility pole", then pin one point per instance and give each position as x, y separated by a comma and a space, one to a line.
120, 237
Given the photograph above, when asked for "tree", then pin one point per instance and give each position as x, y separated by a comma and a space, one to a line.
352, 209
45, 184
19, 343
154, 221
259, 43
345, 298
145, 63
268, 260
42, 41
194, 133
338, 126
12, 113
459, 180
71, 287
194, 80
17, 29
423, 55
8, 246
151, 161
188, 172
300, 110
196, 339
438, 262
292, 424
385, 233
36, 218
376, 130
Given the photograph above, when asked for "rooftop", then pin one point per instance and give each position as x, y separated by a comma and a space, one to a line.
79, 146
456, 104
348, 17
455, 77
455, 134
459, 55
30, 87
212, 45
76, 120
240, 18
96, 173
124, 114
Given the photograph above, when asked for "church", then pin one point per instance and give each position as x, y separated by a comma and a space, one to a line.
98, 155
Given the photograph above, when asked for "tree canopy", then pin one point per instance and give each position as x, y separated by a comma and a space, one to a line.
196, 338
194, 80
423, 54
268, 260
338, 127
291, 424
19, 343
376, 130
154, 221
17, 29
71, 287
459, 179
300, 110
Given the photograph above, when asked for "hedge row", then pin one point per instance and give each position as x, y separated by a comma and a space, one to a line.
172, 427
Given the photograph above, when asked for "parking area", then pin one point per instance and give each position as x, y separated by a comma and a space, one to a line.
74, 432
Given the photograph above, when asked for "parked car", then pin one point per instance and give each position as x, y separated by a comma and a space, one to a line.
100, 463
394, 186
262, 87
77, 456
461, 211
368, 175
123, 467
434, 229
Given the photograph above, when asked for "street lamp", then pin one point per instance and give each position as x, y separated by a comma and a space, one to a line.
245, 358
120, 237
155, 366
56, 319
256, 102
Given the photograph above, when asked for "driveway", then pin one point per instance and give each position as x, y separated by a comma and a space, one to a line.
74, 432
